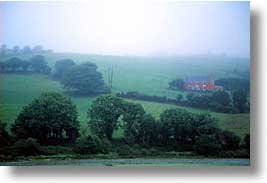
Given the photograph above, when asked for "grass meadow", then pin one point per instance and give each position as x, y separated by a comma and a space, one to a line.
148, 75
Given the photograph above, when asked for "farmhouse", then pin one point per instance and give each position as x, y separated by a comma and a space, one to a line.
200, 83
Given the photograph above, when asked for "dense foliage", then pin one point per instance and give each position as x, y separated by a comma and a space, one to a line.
51, 119
104, 113
5, 138
38, 49
92, 144
177, 84
240, 100
84, 79
181, 128
177, 129
233, 84
36, 64
62, 66
39, 64
219, 101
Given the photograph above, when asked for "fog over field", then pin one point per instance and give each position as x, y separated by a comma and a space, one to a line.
128, 27
125, 83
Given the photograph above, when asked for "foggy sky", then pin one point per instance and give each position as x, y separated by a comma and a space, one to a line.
129, 28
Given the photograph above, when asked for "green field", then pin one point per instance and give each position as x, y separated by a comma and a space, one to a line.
143, 74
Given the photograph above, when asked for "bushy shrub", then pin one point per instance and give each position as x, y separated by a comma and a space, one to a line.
177, 84
221, 108
123, 150
92, 144
229, 140
233, 83
27, 147
5, 138
219, 101
207, 145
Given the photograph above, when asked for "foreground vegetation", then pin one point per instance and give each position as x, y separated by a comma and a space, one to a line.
31, 86
51, 119
121, 135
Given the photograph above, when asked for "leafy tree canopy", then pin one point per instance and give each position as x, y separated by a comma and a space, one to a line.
39, 64
85, 79
5, 138
62, 66
177, 84
233, 84
104, 113
222, 98
51, 119
240, 100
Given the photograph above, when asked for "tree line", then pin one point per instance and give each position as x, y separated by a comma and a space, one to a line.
218, 101
36, 64
82, 79
51, 119
234, 98
38, 49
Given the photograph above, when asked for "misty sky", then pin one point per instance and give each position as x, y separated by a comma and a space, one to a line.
129, 28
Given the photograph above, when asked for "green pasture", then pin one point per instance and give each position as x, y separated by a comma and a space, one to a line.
151, 75
147, 75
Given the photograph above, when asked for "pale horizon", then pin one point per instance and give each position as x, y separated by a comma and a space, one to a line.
129, 29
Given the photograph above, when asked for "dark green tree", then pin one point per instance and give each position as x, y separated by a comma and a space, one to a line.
190, 97
221, 97
180, 127
5, 138
51, 119
177, 125
104, 113
149, 131
240, 100
207, 145
84, 79
177, 84
92, 144
229, 140
133, 116
13, 63
203, 124
39, 64
62, 66
179, 97
233, 84
25, 65
26, 147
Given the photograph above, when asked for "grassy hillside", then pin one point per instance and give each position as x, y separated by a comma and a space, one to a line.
28, 87
151, 75
143, 74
